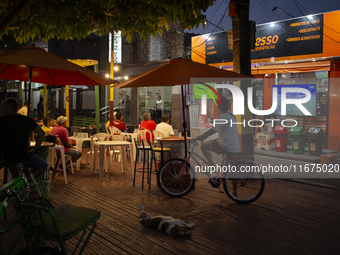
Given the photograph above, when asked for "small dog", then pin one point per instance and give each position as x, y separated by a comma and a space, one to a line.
167, 224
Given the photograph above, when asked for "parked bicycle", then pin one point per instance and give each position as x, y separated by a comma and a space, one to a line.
20, 186
38, 219
177, 177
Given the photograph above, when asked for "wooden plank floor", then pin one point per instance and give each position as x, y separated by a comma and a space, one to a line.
289, 218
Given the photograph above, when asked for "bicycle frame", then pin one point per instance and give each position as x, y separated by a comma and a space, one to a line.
216, 179
11, 188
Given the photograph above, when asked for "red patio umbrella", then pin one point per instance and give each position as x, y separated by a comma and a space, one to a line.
179, 71
34, 64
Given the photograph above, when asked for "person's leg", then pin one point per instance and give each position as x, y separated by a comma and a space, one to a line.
206, 148
74, 153
38, 165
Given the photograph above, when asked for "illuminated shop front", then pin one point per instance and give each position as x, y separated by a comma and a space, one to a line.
294, 52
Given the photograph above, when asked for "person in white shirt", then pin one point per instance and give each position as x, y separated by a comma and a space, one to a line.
23, 110
159, 103
164, 126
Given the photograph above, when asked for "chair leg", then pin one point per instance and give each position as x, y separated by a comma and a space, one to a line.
56, 165
87, 160
143, 169
153, 157
110, 162
134, 171
122, 162
71, 163
106, 162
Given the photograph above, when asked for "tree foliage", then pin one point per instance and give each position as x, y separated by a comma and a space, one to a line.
69, 19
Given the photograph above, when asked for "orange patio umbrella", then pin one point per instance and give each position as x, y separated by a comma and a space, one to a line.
34, 64
179, 71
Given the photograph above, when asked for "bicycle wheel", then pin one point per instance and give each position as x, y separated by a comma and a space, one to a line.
243, 187
173, 184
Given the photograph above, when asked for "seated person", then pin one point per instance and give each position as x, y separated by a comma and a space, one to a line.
23, 110
62, 134
48, 122
164, 126
118, 122
228, 135
114, 117
149, 124
15, 131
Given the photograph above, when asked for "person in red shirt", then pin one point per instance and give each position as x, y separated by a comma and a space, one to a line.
149, 124
118, 122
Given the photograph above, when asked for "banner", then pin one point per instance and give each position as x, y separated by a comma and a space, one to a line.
299, 36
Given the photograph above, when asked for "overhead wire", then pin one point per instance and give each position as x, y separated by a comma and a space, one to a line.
213, 30
211, 19
295, 2
323, 24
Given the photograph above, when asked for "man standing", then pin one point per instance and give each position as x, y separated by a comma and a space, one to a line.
15, 130
164, 126
23, 110
62, 134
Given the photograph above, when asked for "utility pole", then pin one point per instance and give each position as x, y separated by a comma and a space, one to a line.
239, 12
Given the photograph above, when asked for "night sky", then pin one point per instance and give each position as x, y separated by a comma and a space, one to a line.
261, 12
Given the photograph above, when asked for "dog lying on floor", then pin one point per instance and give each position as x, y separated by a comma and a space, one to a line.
167, 224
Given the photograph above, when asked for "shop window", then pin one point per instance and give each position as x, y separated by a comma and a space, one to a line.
156, 101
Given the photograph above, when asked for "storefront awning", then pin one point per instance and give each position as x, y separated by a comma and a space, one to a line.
312, 66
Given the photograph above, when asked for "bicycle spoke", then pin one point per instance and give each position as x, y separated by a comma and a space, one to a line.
244, 187
174, 179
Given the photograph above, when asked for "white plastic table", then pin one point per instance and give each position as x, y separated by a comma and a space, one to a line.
101, 146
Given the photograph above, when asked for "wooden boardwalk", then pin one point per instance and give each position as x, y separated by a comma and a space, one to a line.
289, 218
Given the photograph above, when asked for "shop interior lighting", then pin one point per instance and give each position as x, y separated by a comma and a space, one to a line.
272, 24
116, 68
107, 75
126, 77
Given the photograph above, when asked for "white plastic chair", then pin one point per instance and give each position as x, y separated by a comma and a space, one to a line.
117, 150
97, 137
112, 130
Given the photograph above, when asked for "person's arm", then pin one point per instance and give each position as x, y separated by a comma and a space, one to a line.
40, 136
68, 145
172, 133
206, 135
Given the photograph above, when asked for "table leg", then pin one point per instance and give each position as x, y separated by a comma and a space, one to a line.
101, 160
94, 159
133, 150
131, 159
79, 145
123, 157
62, 152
